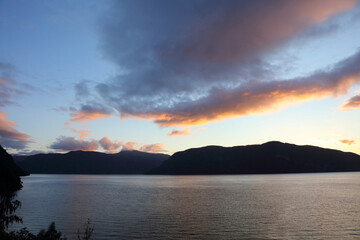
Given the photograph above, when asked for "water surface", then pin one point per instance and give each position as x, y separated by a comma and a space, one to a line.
283, 206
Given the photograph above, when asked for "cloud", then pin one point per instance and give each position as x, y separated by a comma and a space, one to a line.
7, 69
351, 103
71, 144
89, 112
6, 87
9, 136
129, 146
184, 132
81, 133
193, 62
82, 90
347, 141
153, 148
10, 88
256, 98
109, 145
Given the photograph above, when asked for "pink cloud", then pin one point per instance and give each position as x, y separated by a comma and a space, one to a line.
9, 136
184, 132
347, 141
109, 145
153, 148
129, 146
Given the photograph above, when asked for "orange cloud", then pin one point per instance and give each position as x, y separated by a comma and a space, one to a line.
185, 132
90, 112
86, 116
351, 103
347, 141
9, 136
153, 148
81, 133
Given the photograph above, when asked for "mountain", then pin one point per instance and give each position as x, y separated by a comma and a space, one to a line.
7, 160
9, 173
271, 157
86, 162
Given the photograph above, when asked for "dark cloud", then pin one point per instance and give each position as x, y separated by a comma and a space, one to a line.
191, 62
351, 103
71, 144
9, 136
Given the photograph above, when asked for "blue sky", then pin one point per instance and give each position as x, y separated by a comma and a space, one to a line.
164, 76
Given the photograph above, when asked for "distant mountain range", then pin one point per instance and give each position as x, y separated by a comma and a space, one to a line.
86, 162
271, 157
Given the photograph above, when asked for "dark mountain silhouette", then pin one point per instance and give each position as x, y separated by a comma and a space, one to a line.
271, 157
19, 158
9, 173
7, 160
86, 162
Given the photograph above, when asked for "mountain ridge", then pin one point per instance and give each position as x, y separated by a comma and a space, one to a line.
270, 157
90, 162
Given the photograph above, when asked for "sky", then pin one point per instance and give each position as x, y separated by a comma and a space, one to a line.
164, 76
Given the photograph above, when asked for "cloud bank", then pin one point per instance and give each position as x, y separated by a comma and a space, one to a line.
185, 63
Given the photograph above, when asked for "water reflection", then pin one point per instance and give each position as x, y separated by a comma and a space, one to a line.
308, 206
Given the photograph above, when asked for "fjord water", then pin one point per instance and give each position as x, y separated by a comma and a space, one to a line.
283, 206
